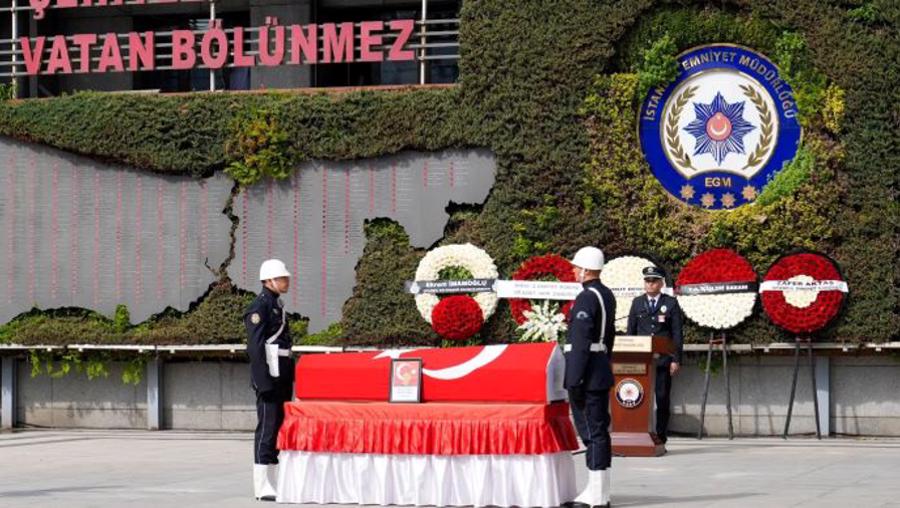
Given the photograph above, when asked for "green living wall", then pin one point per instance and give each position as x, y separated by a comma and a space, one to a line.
552, 88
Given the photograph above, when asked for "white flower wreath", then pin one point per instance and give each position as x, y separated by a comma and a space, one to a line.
467, 256
719, 312
625, 278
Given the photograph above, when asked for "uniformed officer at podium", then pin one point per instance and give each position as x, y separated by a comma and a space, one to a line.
656, 313
589, 373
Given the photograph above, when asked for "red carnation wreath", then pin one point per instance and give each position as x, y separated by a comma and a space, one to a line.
717, 289
803, 292
457, 317
540, 268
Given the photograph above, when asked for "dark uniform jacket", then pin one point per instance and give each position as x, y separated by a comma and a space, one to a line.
667, 321
263, 319
585, 369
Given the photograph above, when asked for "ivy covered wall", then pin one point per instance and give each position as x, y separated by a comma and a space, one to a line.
552, 87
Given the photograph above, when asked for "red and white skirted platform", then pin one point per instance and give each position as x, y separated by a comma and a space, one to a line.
440, 453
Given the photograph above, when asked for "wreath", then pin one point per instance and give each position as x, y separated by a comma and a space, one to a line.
457, 317
471, 260
624, 277
717, 289
803, 293
549, 267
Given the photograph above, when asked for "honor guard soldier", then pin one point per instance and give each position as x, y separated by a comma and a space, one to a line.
656, 313
589, 373
271, 372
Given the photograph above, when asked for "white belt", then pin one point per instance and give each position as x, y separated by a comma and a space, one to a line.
596, 347
284, 352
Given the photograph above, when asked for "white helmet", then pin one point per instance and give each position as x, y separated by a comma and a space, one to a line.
272, 269
589, 258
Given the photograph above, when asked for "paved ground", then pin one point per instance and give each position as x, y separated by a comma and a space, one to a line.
160, 469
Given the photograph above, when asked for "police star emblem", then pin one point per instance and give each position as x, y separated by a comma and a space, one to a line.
719, 128
254, 318
728, 200
749, 192
716, 135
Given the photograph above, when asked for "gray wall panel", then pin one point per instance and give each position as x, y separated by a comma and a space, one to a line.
314, 221
79, 233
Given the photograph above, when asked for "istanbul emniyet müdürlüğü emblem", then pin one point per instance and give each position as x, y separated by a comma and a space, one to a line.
718, 134
629, 393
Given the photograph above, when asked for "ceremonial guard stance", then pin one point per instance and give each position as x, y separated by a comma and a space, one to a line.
271, 372
656, 313
589, 373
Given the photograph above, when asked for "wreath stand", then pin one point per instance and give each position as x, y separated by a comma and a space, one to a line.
723, 341
812, 374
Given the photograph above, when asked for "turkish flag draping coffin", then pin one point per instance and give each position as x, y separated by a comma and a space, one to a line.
497, 373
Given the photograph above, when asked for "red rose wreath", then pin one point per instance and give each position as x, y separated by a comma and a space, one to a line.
457, 317
551, 266
802, 293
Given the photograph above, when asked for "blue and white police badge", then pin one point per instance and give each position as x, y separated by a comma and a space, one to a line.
721, 131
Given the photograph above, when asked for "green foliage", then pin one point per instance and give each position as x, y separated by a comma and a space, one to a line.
795, 62
454, 273
60, 364
330, 336
121, 319
660, 65
865, 13
96, 367
267, 133
134, 369
60, 327
693, 24
534, 227
216, 319
259, 148
833, 108
380, 311
299, 328
789, 179
7, 91
550, 89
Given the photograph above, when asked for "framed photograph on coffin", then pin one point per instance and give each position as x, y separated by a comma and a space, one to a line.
406, 380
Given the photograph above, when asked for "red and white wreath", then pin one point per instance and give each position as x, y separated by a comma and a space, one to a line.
549, 267
803, 292
456, 317
717, 289
542, 320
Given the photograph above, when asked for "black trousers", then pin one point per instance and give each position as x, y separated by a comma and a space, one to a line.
269, 417
663, 399
590, 410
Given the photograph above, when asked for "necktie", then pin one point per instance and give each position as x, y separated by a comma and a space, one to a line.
653, 305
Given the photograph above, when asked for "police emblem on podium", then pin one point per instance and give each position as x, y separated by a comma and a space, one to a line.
718, 134
629, 393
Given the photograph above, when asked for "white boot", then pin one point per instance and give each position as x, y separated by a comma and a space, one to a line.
264, 481
605, 487
585, 496
272, 478
596, 492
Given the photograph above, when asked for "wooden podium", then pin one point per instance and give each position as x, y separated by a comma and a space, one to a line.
632, 397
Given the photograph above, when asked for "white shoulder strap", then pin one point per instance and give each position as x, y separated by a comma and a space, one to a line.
281, 328
603, 307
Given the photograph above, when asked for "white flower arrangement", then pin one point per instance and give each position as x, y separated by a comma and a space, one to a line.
545, 323
719, 312
625, 278
799, 298
467, 256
